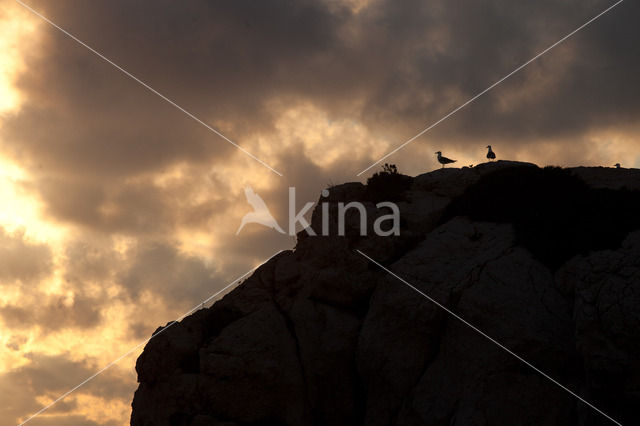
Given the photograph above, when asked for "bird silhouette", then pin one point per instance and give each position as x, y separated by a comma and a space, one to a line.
617, 165
491, 155
260, 213
444, 160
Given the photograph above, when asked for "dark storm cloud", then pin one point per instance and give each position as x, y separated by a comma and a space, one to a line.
163, 270
255, 242
220, 60
53, 314
155, 266
21, 260
55, 374
595, 88
29, 263
90, 261
93, 141
587, 82
52, 375
93, 269
137, 207
396, 66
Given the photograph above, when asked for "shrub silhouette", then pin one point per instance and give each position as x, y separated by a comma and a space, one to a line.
387, 185
556, 215
390, 168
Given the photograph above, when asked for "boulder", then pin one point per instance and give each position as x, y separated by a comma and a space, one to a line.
475, 332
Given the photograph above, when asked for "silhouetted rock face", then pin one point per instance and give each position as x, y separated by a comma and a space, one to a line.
320, 336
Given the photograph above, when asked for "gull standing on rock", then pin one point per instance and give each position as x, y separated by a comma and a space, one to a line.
444, 160
491, 155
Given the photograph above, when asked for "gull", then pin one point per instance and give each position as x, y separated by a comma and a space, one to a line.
491, 155
617, 165
260, 213
444, 160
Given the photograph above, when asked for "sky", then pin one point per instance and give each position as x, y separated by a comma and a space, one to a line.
118, 211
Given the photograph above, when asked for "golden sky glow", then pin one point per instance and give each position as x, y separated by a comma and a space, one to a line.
118, 213
22, 214
17, 30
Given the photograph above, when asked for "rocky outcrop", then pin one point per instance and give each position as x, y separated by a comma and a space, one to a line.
321, 336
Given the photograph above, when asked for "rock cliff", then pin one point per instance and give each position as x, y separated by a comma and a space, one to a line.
545, 261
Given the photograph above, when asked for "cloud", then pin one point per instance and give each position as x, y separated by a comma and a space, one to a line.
233, 55
395, 67
49, 376
144, 205
150, 200
98, 276
165, 272
22, 260
54, 313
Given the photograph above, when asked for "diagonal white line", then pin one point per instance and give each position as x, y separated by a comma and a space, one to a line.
425, 130
494, 341
145, 85
112, 363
